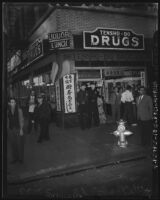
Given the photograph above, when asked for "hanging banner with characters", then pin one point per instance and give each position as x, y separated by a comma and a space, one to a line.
69, 93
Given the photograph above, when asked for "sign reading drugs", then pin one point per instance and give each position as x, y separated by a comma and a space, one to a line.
69, 93
59, 40
112, 39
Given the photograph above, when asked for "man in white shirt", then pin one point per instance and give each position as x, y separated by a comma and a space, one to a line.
127, 99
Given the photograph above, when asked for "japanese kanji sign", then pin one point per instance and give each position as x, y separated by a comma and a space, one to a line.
69, 93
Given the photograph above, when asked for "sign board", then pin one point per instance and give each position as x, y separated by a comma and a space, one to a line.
14, 61
35, 51
113, 39
58, 100
59, 40
120, 73
69, 93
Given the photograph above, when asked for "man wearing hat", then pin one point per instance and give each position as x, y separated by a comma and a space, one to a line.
82, 99
92, 106
43, 113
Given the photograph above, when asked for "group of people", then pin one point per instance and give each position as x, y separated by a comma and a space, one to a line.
124, 105
90, 106
133, 105
39, 113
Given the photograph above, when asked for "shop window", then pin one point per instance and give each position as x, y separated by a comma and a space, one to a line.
82, 64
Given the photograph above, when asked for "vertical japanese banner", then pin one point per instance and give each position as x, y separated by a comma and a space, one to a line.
143, 79
69, 93
58, 98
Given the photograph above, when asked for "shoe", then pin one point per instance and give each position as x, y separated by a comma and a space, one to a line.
14, 161
39, 141
21, 161
47, 138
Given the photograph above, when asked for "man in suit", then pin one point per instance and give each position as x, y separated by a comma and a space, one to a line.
144, 116
82, 99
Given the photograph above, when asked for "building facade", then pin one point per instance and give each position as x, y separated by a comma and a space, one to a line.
108, 46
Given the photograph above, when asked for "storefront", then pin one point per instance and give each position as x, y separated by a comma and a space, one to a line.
108, 57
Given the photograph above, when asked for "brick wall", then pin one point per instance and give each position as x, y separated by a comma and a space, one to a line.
77, 21
80, 20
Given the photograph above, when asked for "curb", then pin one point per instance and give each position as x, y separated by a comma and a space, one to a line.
52, 172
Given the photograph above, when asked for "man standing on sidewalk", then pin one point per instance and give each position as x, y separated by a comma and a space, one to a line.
15, 131
144, 116
82, 99
92, 106
127, 99
42, 115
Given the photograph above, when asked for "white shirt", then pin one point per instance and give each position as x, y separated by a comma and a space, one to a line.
127, 96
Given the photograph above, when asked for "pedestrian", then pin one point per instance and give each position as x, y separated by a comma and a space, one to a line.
82, 99
42, 115
93, 114
144, 116
102, 115
115, 104
15, 131
127, 99
32, 102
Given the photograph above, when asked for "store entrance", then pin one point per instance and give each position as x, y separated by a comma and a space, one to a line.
120, 78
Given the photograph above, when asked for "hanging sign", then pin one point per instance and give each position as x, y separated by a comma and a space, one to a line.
58, 100
35, 51
59, 40
69, 93
112, 39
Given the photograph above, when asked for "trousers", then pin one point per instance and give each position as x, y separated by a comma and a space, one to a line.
17, 144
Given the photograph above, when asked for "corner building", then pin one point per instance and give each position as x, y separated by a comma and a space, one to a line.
107, 45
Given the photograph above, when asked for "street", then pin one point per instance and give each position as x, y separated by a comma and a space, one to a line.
124, 179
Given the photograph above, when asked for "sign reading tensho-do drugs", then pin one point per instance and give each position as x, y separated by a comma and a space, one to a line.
112, 39
69, 93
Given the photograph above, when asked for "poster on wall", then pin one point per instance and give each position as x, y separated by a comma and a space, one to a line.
69, 93
58, 100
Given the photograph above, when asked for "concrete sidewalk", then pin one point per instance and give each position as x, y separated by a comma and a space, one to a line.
71, 149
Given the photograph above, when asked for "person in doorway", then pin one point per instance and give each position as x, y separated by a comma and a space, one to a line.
32, 102
15, 131
42, 115
115, 104
127, 99
102, 116
82, 99
92, 106
144, 116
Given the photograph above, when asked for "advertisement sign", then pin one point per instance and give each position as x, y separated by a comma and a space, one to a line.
58, 100
14, 61
59, 40
69, 93
35, 50
112, 39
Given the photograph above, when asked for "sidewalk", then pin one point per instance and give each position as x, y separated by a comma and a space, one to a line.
71, 149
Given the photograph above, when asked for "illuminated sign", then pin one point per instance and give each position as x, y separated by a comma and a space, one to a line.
35, 51
69, 93
59, 40
14, 61
112, 39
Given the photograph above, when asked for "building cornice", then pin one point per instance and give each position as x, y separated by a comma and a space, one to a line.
122, 10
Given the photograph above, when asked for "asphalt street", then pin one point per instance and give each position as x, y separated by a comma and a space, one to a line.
132, 178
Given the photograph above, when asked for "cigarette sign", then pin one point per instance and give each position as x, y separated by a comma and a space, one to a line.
113, 39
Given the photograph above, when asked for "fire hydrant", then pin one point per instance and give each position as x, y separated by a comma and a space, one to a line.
121, 132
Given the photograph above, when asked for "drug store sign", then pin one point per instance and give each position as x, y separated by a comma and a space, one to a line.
69, 93
112, 39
